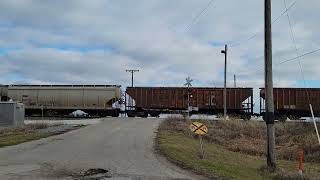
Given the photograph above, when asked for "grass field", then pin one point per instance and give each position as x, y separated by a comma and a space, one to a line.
222, 160
14, 136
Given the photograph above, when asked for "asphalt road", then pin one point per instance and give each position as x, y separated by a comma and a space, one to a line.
123, 146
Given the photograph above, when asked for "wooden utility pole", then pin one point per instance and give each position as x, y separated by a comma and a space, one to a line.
225, 52
234, 81
269, 105
132, 71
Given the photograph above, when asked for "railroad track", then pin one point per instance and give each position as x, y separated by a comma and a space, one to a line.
58, 117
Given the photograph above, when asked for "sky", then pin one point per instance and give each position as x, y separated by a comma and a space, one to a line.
94, 42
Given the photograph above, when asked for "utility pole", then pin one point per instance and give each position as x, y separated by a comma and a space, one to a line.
132, 71
225, 52
269, 106
235, 81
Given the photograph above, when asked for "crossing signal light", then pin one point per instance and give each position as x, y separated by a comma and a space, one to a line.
192, 92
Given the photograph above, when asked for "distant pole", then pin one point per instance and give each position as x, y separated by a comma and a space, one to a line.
235, 81
269, 106
132, 71
225, 52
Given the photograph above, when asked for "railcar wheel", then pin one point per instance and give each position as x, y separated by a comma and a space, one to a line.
50, 113
154, 114
246, 117
294, 117
282, 118
115, 114
144, 114
131, 114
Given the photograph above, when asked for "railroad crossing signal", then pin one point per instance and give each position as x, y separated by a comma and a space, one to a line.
188, 82
191, 92
198, 128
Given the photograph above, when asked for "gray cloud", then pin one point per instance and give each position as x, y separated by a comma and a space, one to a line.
80, 41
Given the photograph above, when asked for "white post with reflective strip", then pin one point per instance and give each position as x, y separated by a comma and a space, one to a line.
315, 124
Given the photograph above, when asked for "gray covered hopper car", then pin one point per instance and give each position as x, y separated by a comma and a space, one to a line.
64, 99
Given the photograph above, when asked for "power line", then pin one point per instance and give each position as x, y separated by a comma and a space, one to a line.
256, 34
199, 15
291, 30
284, 12
295, 44
298, 57
302, 73
293, 59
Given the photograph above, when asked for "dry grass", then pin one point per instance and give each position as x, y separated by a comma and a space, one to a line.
280, 174
13, 136
248, 137
26, 128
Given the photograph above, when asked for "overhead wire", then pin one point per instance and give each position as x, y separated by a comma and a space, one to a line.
301, 70
188, 28
285, 12
238, 43
297, 52
199, 15
298, 57
292, 59
294, 42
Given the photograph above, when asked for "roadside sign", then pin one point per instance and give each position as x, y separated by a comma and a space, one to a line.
198, 128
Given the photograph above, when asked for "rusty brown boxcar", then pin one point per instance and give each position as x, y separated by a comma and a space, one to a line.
293, 102
156, 100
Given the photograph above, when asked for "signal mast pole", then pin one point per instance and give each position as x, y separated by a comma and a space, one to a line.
269, 106
225, 52
188, 84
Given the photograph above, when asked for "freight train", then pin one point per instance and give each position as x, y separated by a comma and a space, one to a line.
142, 101
50, 100
104, 100
290, 103
293, 103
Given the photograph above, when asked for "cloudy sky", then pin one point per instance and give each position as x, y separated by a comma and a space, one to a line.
95, 41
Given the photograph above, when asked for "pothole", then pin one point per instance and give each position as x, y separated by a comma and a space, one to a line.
93, 174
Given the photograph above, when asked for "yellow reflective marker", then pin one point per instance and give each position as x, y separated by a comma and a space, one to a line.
198, 128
